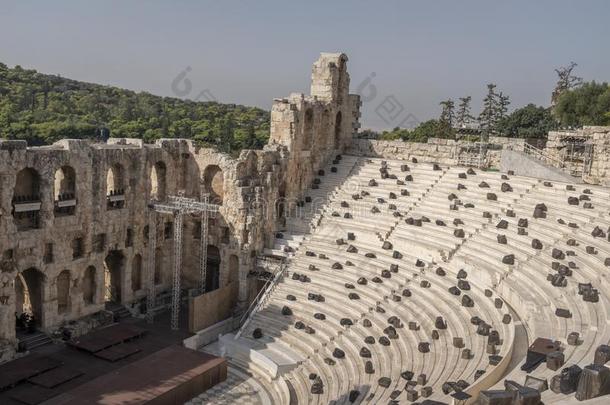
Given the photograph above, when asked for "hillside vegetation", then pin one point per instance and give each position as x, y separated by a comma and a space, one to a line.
43, 108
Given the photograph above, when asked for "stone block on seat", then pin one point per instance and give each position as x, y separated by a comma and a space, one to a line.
384, 382
423, 347
602, 355
509, 259
422, 379
412, 395
594, 382
496, 397
566, 381
573, 338
555, 360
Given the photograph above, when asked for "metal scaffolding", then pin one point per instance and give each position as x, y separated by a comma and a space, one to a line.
178, 207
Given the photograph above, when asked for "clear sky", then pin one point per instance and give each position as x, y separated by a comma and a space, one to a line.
248, 52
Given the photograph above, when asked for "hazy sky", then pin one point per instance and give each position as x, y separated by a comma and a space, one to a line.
248, 52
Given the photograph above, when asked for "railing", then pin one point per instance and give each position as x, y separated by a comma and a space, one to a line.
545, 157
260, 300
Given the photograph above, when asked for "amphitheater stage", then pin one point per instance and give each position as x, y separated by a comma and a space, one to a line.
170, 376
276, 358
56, 369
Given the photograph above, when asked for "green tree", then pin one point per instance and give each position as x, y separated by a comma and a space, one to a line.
530, 121
447, 113
488, 114
464, 117
44, 108
588, 104
502, 108
425, 130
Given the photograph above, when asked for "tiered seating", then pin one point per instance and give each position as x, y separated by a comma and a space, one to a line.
525, 285
318, 260
400, 244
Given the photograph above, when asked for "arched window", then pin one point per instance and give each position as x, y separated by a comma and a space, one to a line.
308, 129
338, 124
64, 192
63, 283
89, 285
115, 187
27, 185
136, 273
158, 185
26, 200
213, 181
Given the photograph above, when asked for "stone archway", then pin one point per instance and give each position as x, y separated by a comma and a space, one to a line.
113, 275
158, 181
26, 191
213, 182
115, 182
29, 294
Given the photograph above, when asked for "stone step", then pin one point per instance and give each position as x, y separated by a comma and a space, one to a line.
35, 340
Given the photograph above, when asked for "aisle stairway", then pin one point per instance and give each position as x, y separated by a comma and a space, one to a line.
401, 277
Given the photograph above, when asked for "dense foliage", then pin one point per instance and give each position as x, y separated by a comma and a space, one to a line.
44, 108
421, 133
530, 121
588, 104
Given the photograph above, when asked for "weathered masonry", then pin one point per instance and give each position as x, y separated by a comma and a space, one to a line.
75, 223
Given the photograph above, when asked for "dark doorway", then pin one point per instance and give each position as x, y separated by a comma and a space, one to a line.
29, 287
212, 275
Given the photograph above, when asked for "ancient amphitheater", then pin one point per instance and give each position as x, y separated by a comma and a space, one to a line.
336, 270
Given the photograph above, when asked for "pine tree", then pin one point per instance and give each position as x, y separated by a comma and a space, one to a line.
446, 120
447, 113
502, 108
488, 114
464, 117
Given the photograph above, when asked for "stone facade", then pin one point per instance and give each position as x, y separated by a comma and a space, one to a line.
585, 150
436, 150
75, 222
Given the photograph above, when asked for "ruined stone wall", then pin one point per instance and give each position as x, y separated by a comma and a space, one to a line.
439, 152
317, 127
67, 252
435, 150
588, 148
63, 255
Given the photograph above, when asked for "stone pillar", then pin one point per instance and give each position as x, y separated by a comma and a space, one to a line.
245, 264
